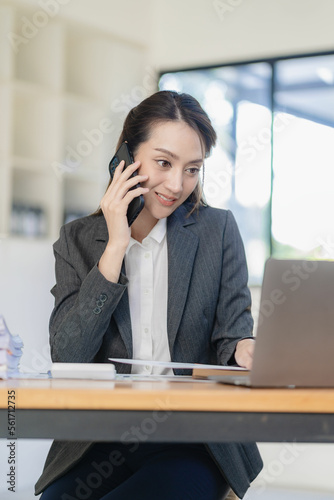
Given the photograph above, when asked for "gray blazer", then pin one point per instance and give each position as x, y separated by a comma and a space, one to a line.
208, 313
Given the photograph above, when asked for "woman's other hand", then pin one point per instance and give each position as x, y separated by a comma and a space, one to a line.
244, 353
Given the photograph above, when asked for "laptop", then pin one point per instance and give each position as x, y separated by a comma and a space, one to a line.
295, 334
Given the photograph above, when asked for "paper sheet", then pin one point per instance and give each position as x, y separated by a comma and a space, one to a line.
174, 364
92, 371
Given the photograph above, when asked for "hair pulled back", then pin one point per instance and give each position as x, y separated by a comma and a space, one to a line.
166, 106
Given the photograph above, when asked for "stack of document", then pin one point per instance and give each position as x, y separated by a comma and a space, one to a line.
10, 351
199, 370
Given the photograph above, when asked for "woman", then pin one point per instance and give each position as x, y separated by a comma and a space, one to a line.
171, 287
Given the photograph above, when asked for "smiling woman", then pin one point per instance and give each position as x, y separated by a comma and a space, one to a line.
171, 159
171, 287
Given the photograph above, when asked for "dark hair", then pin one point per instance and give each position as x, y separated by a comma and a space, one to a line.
167, 105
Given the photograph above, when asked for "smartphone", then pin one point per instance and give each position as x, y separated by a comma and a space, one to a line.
137, 204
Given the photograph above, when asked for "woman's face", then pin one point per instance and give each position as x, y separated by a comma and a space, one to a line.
171, 158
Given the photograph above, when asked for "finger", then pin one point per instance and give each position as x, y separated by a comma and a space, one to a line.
119, 169
121, 201
134, 193
123, 174
119, 190
130, 169
133, 181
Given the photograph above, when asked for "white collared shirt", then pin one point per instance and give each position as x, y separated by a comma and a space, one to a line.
146, 267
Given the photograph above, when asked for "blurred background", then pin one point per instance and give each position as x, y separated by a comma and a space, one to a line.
70, 70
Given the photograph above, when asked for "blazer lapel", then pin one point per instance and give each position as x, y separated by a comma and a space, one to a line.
122, 312
182, 248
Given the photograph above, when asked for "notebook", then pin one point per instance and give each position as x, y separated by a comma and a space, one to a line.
295, 334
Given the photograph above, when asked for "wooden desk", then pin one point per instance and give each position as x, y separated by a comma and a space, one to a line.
166, 411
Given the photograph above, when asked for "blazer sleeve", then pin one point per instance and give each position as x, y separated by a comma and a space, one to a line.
233, 320
84, 302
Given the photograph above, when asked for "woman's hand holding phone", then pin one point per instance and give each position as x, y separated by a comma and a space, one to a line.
117, 199
137, 204
114, 205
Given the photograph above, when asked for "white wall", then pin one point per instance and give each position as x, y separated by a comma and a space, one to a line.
26, 277
127, 19
194, 33
185, 33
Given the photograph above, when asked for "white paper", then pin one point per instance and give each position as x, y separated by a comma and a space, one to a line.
174, 364
93, 371
135, 377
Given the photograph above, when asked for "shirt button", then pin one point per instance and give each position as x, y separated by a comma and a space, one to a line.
147, 255
146, 330
148, 368
146, 292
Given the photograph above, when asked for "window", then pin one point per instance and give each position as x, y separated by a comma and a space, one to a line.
273, 165
303, 158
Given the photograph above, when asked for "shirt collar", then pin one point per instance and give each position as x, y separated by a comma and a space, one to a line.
157, 233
